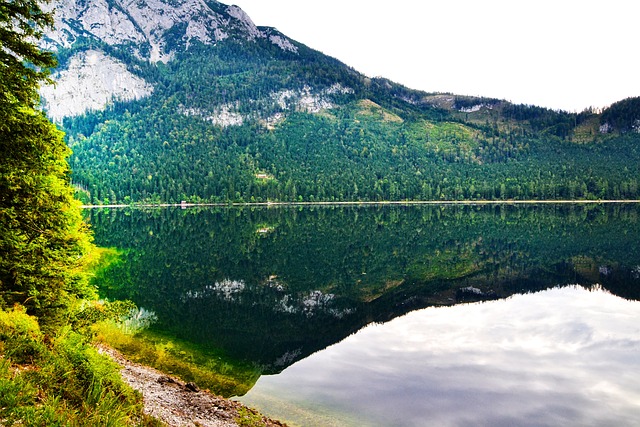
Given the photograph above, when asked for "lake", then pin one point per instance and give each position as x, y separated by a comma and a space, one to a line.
448, 315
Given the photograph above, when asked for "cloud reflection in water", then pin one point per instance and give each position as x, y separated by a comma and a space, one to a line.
566, 356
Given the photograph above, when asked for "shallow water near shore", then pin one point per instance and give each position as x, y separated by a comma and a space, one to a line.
395, 315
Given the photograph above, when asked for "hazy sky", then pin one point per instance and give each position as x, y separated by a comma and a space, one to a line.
562, 54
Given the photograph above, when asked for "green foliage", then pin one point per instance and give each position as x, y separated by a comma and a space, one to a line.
381, 141
64, 382
43, 240
90, 312
542, 120
20, 336
49, 375
23, 63
249, 418
467, 102
348, 154
623, 116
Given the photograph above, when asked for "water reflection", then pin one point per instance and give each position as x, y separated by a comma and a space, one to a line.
560, 357
273, 286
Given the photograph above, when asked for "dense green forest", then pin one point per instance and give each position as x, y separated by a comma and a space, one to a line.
372, 139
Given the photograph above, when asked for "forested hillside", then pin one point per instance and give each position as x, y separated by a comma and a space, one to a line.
246, 118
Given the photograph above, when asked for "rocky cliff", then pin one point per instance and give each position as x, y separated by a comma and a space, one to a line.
88, 34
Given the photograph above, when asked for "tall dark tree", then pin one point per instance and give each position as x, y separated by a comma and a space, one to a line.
43, 240
22, 64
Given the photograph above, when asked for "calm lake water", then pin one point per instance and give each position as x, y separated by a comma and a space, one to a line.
403, 315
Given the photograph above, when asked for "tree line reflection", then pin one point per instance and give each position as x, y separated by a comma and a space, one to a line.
273, 285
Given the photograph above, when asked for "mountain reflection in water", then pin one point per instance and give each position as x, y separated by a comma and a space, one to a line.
272, 286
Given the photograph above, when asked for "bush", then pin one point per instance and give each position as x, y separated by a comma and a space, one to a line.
20, 336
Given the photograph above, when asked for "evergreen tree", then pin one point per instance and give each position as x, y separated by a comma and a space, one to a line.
23, 64
43, 240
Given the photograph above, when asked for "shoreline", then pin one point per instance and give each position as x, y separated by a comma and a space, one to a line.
180, 404
185, 205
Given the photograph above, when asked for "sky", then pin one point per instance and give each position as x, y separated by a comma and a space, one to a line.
559, 54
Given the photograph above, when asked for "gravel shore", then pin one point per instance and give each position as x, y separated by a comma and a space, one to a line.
180, 404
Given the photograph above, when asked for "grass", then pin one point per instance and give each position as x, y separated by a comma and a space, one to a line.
370, 108
57, 377
248, 418
208, 369
587, 131
60, 380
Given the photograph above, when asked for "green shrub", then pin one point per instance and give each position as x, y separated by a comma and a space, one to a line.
20, 336
59, 380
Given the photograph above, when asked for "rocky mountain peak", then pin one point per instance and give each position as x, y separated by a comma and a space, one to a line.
152, 29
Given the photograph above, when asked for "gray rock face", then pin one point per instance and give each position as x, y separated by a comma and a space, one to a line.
91, 81
150, 29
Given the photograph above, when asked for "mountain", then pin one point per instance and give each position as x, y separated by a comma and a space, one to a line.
164, 101
151, 31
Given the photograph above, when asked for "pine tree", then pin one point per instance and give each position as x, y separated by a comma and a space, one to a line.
23, 64
43, 240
